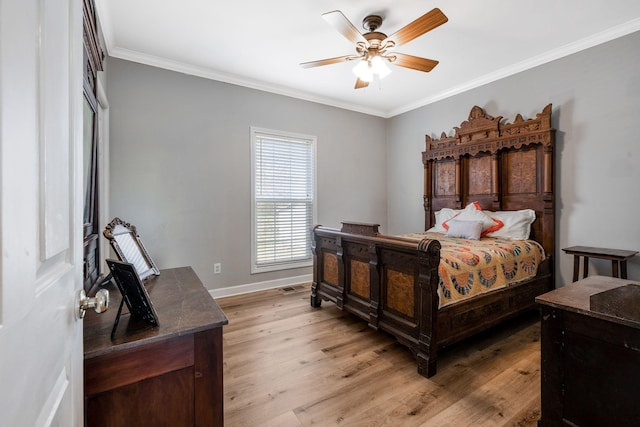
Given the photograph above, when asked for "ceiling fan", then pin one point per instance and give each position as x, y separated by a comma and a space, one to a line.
375, 49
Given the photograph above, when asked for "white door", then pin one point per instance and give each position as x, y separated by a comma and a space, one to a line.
40, 212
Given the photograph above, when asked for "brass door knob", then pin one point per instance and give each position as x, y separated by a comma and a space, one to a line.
99, 303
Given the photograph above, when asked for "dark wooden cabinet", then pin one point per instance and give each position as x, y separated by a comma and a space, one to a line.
92, 63
591, 353
170, 375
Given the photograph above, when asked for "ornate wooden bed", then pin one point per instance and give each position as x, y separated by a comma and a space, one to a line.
392, 281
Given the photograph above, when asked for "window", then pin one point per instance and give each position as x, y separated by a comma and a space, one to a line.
283, 193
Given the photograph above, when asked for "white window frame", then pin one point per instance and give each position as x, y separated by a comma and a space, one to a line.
275, 266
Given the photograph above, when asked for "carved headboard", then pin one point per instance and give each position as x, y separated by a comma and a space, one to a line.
503, 166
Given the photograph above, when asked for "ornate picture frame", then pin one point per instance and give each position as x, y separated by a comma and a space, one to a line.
127, 245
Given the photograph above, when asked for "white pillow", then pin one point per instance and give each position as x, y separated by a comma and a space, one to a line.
473, 213
517, 224
464, 229
443, 215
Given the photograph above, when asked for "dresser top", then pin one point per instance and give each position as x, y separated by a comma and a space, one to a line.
576, 297
182, 303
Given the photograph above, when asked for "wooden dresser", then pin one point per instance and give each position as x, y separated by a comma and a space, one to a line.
591, 353
165, 376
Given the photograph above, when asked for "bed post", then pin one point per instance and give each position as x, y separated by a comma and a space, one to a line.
317, 268
548, 227
374, 286
428, 261
459, 201
341, 283
426, 196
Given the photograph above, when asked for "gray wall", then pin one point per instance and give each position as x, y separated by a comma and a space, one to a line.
180, 166
596, 107
180, 157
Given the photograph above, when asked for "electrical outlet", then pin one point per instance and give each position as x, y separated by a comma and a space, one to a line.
217, 268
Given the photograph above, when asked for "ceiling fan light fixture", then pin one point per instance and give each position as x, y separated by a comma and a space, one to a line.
374, 49
379, 66
364, 71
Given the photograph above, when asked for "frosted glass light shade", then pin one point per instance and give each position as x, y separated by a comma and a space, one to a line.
379, 66
363, 71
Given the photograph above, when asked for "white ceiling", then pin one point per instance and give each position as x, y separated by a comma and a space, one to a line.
260, 44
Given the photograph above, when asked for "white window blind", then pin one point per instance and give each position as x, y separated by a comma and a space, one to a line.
283, 202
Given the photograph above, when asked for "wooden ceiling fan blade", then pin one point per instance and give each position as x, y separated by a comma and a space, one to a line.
327, 61
360, 84
340, 22
414, 62
425, 23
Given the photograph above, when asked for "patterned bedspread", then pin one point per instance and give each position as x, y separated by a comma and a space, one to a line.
472, 267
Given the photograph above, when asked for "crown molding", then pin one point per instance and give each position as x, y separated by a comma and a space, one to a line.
561, 52
237, 80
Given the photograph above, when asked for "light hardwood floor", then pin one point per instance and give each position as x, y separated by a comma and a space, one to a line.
287, 364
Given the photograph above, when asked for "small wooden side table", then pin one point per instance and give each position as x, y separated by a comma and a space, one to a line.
617, 256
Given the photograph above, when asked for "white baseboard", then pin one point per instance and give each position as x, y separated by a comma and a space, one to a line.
260, 286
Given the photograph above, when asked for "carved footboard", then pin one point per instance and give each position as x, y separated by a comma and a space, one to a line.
388, 281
